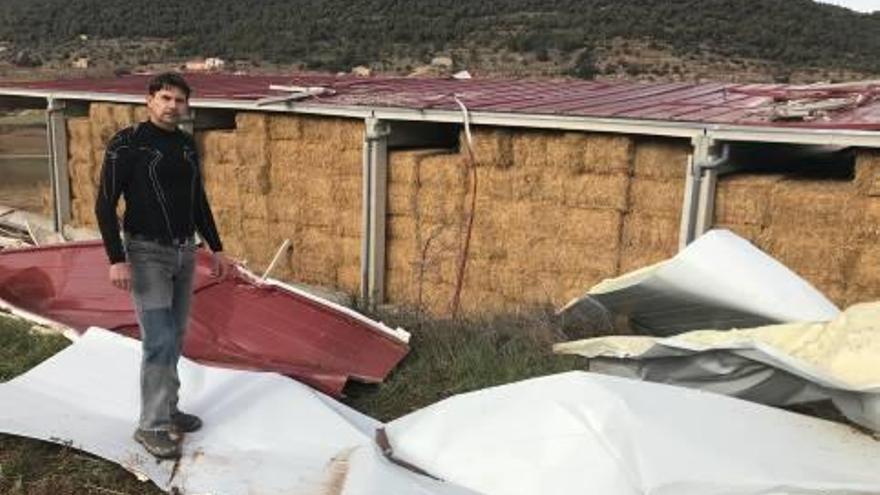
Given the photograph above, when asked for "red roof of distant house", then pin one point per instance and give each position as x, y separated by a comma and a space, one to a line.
709, 103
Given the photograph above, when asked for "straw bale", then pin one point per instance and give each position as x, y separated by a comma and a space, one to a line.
79, 130
283, 208
440, 205
641, 231
252, 125
492, 146
747, 231
820, 252
337, 133
550, 255
253, 206
443, 170
635, 257
228, 220
123, 115
346, 193
403, 164
596, 191
348, 278
866, 269
744, 198
591, 228
318, 190
868, 227
400, 227
140, 113
608, 154
217, 146
317, 215
867, 173
349, 223
253, 165
315, 258
661, 158
283, 126
482, 302
349, 253
530, 149
400, 198
814, 203
400, 288
861, 293
580, 153
495, 183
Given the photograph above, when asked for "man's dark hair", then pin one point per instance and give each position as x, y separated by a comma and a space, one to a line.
168, 79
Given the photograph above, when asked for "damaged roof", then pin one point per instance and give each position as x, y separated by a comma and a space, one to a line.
237, 322
840, 106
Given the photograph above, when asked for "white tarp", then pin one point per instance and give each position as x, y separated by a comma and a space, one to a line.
777, 364
579, 433
264, 433
719, 281
572, 433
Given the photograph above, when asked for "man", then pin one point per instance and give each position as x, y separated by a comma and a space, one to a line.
155, 166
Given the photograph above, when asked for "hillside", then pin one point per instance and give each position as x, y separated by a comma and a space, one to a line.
777, 39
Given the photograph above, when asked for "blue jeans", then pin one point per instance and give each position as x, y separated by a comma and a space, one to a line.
161, 288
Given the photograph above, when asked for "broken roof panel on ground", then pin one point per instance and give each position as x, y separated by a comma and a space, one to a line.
778, 364
238, 322
263, 433
719, 281
568, 433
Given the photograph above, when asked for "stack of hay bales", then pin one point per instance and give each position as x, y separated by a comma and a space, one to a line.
87, 142
290, 177
823, 229
551, 210
652, 224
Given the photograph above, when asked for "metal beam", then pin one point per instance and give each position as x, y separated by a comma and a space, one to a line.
56, 128
375, 188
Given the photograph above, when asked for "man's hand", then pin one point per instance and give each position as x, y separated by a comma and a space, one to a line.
120, 275
222, 266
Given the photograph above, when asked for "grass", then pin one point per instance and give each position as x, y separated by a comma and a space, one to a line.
448, 357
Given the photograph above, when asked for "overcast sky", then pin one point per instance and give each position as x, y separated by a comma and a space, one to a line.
860, 5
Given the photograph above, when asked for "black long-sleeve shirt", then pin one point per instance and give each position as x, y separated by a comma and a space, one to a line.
158, 174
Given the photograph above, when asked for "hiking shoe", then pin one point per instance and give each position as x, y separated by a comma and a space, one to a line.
185, 423
159, 443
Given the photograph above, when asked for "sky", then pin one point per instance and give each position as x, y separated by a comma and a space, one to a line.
859, 5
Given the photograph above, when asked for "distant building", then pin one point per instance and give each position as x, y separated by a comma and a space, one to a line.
207, 64
214, 63
445, 62
81, 63
361, 71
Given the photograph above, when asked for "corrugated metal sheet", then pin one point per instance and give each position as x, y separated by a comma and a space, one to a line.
234, 322
709, 103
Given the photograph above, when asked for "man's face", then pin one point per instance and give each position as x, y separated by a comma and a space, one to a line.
167, 106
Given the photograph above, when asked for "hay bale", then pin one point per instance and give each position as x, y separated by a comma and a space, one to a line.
400, 227
492, 146
140, 113
346, 193
400, 200
813, 203
745, 198
657, 198
348, 278
867, 173
253, 124
651, 233
316, 257
217, 146
596, 191
530, 148
442, 170
608, 154
349, 223
482, 303
866, 269
815, 252
496, 183
868, 227
282, 126
749, 232
282, 208
636, 257
335, 133
254, 206
861, 293
253, 165
661, 158
436, 204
